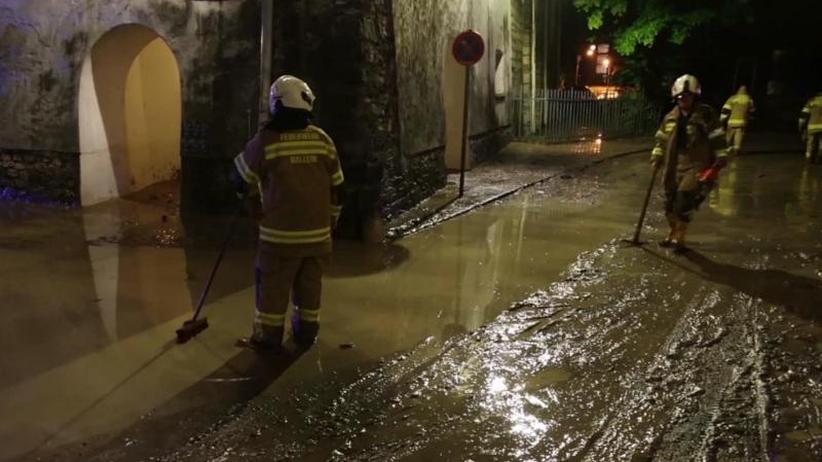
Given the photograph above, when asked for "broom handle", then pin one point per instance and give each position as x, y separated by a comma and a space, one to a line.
645, 204
207, 287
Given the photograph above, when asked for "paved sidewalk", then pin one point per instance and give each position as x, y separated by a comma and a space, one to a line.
518, 166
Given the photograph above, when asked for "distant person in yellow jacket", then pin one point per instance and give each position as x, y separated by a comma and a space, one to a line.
734, 117
810, 125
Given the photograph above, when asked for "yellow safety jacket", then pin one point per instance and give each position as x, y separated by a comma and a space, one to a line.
811, 117
736, 110
685, 154
296, 172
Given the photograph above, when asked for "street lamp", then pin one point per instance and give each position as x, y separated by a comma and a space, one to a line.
589, 53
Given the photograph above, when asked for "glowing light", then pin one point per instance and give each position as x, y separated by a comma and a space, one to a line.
590, 52
597, 148
497, 385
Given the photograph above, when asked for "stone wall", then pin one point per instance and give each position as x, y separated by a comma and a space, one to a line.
344, 50
40, 175
42, 48
485, 146
378, 68
401, 181
425, 30
521, 40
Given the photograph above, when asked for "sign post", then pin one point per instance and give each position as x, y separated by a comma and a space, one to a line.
468, 49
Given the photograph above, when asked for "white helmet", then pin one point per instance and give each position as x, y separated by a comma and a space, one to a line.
686, 84
292, 92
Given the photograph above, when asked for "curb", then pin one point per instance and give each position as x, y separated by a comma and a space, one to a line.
503, 195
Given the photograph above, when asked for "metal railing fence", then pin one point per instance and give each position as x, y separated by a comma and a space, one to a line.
567, 115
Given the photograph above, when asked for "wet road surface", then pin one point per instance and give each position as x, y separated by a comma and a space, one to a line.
523, 331
516, 167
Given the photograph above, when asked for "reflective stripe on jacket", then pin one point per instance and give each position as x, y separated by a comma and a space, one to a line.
703, 144
296, 171
811, 117
736, 110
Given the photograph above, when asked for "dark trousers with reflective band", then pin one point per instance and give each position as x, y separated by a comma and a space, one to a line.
812, 151
682, 204
684, 193
279, 277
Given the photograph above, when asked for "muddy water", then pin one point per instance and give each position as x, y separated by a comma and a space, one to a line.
126, 273
527, 331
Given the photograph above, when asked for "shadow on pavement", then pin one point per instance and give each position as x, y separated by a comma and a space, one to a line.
216, 398
77, 417
353, 259
800, 295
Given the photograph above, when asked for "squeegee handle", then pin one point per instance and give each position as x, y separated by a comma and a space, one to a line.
645, 204
207, 287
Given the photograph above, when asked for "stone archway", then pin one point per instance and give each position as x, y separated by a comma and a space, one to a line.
130, 112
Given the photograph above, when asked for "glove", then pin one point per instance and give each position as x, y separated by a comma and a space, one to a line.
656, 161
708, 175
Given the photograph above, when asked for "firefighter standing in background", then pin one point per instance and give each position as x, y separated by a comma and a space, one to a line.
810, 125
691, 149
295, 167
734, 117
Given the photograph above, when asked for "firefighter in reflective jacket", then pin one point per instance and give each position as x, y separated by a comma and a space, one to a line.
690, 148
734, 117
295, 167
810, 125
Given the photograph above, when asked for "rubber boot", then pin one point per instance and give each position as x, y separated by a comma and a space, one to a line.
672, 222
264, 340
679, 237
304, 332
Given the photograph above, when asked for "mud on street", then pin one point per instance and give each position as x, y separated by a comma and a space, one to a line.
614, 353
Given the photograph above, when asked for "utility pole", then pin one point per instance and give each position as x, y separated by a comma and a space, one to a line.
533, 58
266, 48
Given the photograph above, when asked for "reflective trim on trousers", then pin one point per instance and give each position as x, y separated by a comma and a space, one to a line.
309, 315
269, 320
311, 236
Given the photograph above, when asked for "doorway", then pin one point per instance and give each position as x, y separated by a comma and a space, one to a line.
130, 114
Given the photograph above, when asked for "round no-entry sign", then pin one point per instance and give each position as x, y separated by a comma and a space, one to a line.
468, 48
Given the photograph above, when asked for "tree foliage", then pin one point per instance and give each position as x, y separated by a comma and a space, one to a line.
634, 24
724, 42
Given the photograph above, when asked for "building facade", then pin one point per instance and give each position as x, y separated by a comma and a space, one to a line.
100, 98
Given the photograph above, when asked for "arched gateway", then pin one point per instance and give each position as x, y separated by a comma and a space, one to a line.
130, 113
